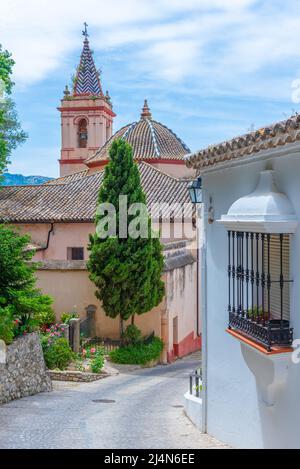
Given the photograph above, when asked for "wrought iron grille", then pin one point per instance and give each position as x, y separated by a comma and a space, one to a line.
196, 383
258, 286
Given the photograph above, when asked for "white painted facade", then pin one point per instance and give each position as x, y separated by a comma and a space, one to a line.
249, 400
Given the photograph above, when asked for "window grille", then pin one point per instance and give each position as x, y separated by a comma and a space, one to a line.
259, 286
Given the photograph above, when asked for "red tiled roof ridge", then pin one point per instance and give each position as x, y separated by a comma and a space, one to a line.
84, 176
277, 134
61, 178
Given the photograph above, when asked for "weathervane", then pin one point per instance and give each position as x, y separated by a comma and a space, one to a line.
85, 32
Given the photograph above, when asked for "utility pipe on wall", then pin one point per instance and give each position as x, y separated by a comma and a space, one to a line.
48, 239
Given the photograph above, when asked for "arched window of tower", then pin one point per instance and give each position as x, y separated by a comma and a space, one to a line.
82, 133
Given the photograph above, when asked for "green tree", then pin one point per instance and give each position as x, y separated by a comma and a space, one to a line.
20, 300
6, 68
11, 134
126, 270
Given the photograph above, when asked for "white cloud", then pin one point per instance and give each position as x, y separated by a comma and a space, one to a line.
41, 32
222, 44
172, 59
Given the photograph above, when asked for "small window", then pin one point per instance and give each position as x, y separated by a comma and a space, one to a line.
75, 254
82, 134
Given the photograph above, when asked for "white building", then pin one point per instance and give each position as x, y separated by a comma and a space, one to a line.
251, 287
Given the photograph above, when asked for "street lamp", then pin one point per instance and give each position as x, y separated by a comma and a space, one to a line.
195, 191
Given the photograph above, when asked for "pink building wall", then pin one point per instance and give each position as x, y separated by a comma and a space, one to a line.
68, 283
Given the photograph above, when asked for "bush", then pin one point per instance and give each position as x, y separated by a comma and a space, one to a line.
7, 326
66, 317
138, 354
97, 362
58, 354
19, 297
46, 318
132, 335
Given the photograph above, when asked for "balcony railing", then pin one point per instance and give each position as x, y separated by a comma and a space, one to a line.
196, 383
259, 287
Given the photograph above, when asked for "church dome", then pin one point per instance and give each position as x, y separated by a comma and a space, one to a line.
149, 139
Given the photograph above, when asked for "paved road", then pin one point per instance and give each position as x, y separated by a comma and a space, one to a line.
146, 413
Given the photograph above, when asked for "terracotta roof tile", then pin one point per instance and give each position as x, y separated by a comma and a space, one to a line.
70, 178
149, 139
74, 198
275, 135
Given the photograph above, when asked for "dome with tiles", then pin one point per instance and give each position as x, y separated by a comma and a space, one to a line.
149, 139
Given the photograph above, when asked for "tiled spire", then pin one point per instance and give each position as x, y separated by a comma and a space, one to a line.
87, 80
146, 113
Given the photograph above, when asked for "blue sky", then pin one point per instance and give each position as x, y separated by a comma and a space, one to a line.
210, 69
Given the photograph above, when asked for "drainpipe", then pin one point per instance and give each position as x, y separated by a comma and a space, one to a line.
48, 240
198, 282
202, 255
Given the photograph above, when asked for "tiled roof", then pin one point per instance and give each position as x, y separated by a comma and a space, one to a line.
149, 139
266, 138
87, 80
74, 199
70, 178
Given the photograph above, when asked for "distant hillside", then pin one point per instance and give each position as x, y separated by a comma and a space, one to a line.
20, 180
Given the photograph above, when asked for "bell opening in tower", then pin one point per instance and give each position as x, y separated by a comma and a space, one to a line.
82, 134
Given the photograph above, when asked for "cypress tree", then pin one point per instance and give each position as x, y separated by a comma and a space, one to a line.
125, 269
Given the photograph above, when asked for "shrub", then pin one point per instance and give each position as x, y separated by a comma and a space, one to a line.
58, 354
138, 354
66, 317
7, 326
132, 335
97, 362
46, 318
18, 294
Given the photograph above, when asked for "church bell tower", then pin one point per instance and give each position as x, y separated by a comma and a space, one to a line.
86, 115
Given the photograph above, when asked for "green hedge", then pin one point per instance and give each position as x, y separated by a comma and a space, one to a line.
58, 354
138, 354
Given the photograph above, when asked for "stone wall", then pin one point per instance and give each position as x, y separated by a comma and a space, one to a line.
24, 371
76, 376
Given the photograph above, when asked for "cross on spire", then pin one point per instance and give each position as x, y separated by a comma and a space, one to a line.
85, 32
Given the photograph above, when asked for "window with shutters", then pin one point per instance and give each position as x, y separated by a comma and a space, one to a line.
75, 254
259, 287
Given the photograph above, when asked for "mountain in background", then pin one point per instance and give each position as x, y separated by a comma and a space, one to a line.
20, 180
